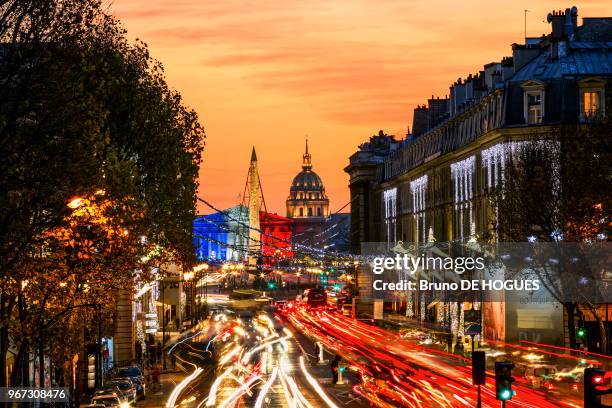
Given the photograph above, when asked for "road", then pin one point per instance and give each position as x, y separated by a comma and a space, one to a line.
251, 362
397, 372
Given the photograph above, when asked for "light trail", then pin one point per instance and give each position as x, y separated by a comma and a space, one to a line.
239, 391
430, 377
264, 390
315, 385
212, 394
171, 403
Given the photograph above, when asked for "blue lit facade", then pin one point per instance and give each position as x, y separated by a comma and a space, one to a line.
222, 236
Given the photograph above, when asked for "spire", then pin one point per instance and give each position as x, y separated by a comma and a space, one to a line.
306, 164
253, 155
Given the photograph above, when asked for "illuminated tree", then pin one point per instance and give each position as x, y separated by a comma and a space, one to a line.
82, 110
557, 190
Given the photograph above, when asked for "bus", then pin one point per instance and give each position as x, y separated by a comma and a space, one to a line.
316, 297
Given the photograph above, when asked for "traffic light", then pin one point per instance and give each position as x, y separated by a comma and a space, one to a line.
479, 363
581, 333
271, 285
504, 380
594, 387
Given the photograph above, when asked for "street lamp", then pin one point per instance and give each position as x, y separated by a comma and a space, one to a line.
203, 267
75, 203
188, 277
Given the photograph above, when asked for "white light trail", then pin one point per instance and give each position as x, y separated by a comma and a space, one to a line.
212, 394
314, 384
239, 391
264, 390
171, 403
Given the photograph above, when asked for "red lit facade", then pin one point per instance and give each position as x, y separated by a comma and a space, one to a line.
276, 237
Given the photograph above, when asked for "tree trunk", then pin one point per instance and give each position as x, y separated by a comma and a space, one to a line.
21, 373
4, 343
4, 340
603, 338
41, 363
570, 309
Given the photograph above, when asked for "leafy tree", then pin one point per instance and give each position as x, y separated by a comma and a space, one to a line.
82, 110
557, 189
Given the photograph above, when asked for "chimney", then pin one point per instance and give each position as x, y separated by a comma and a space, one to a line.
419, 121
571, 22
563, 24
557, 20
523, 54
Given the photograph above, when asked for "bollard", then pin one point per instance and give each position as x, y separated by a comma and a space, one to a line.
320, 349
340, 372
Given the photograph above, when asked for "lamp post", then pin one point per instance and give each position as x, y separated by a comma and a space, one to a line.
188, 278
163, 326
197, 270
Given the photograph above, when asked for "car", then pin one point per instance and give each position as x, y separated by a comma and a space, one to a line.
135, 374
347, 309
281, 304
126, 386
110, 389
109, 401
316, 298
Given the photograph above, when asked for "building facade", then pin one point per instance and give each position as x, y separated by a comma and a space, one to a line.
307, 203
222, 236
434, 184
275, 238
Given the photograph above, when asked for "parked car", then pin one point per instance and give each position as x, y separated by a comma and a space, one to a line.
111, 389
109, 401
126, 386
134, 374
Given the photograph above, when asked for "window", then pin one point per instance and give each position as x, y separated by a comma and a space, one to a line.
301, 212
591, 103
390, 213
534, 107
533, 101
418, 188
319, 212
310, 211
592, 98
462, 175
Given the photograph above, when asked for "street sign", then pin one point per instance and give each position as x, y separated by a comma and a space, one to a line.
472, 322
473, 329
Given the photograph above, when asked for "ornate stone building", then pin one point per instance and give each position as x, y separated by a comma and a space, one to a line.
434, 184
308, 206
437, 181
307, 199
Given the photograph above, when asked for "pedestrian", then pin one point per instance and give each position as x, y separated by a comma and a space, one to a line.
138, 352
334, 368
158, 351
173, 360
155, 375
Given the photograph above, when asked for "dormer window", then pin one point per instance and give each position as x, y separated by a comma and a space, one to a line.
533, 102
534, 108
591, 103
591, 98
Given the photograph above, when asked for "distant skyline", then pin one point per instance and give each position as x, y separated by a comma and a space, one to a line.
268, 73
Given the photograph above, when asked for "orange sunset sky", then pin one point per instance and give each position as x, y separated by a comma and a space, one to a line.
269, 72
